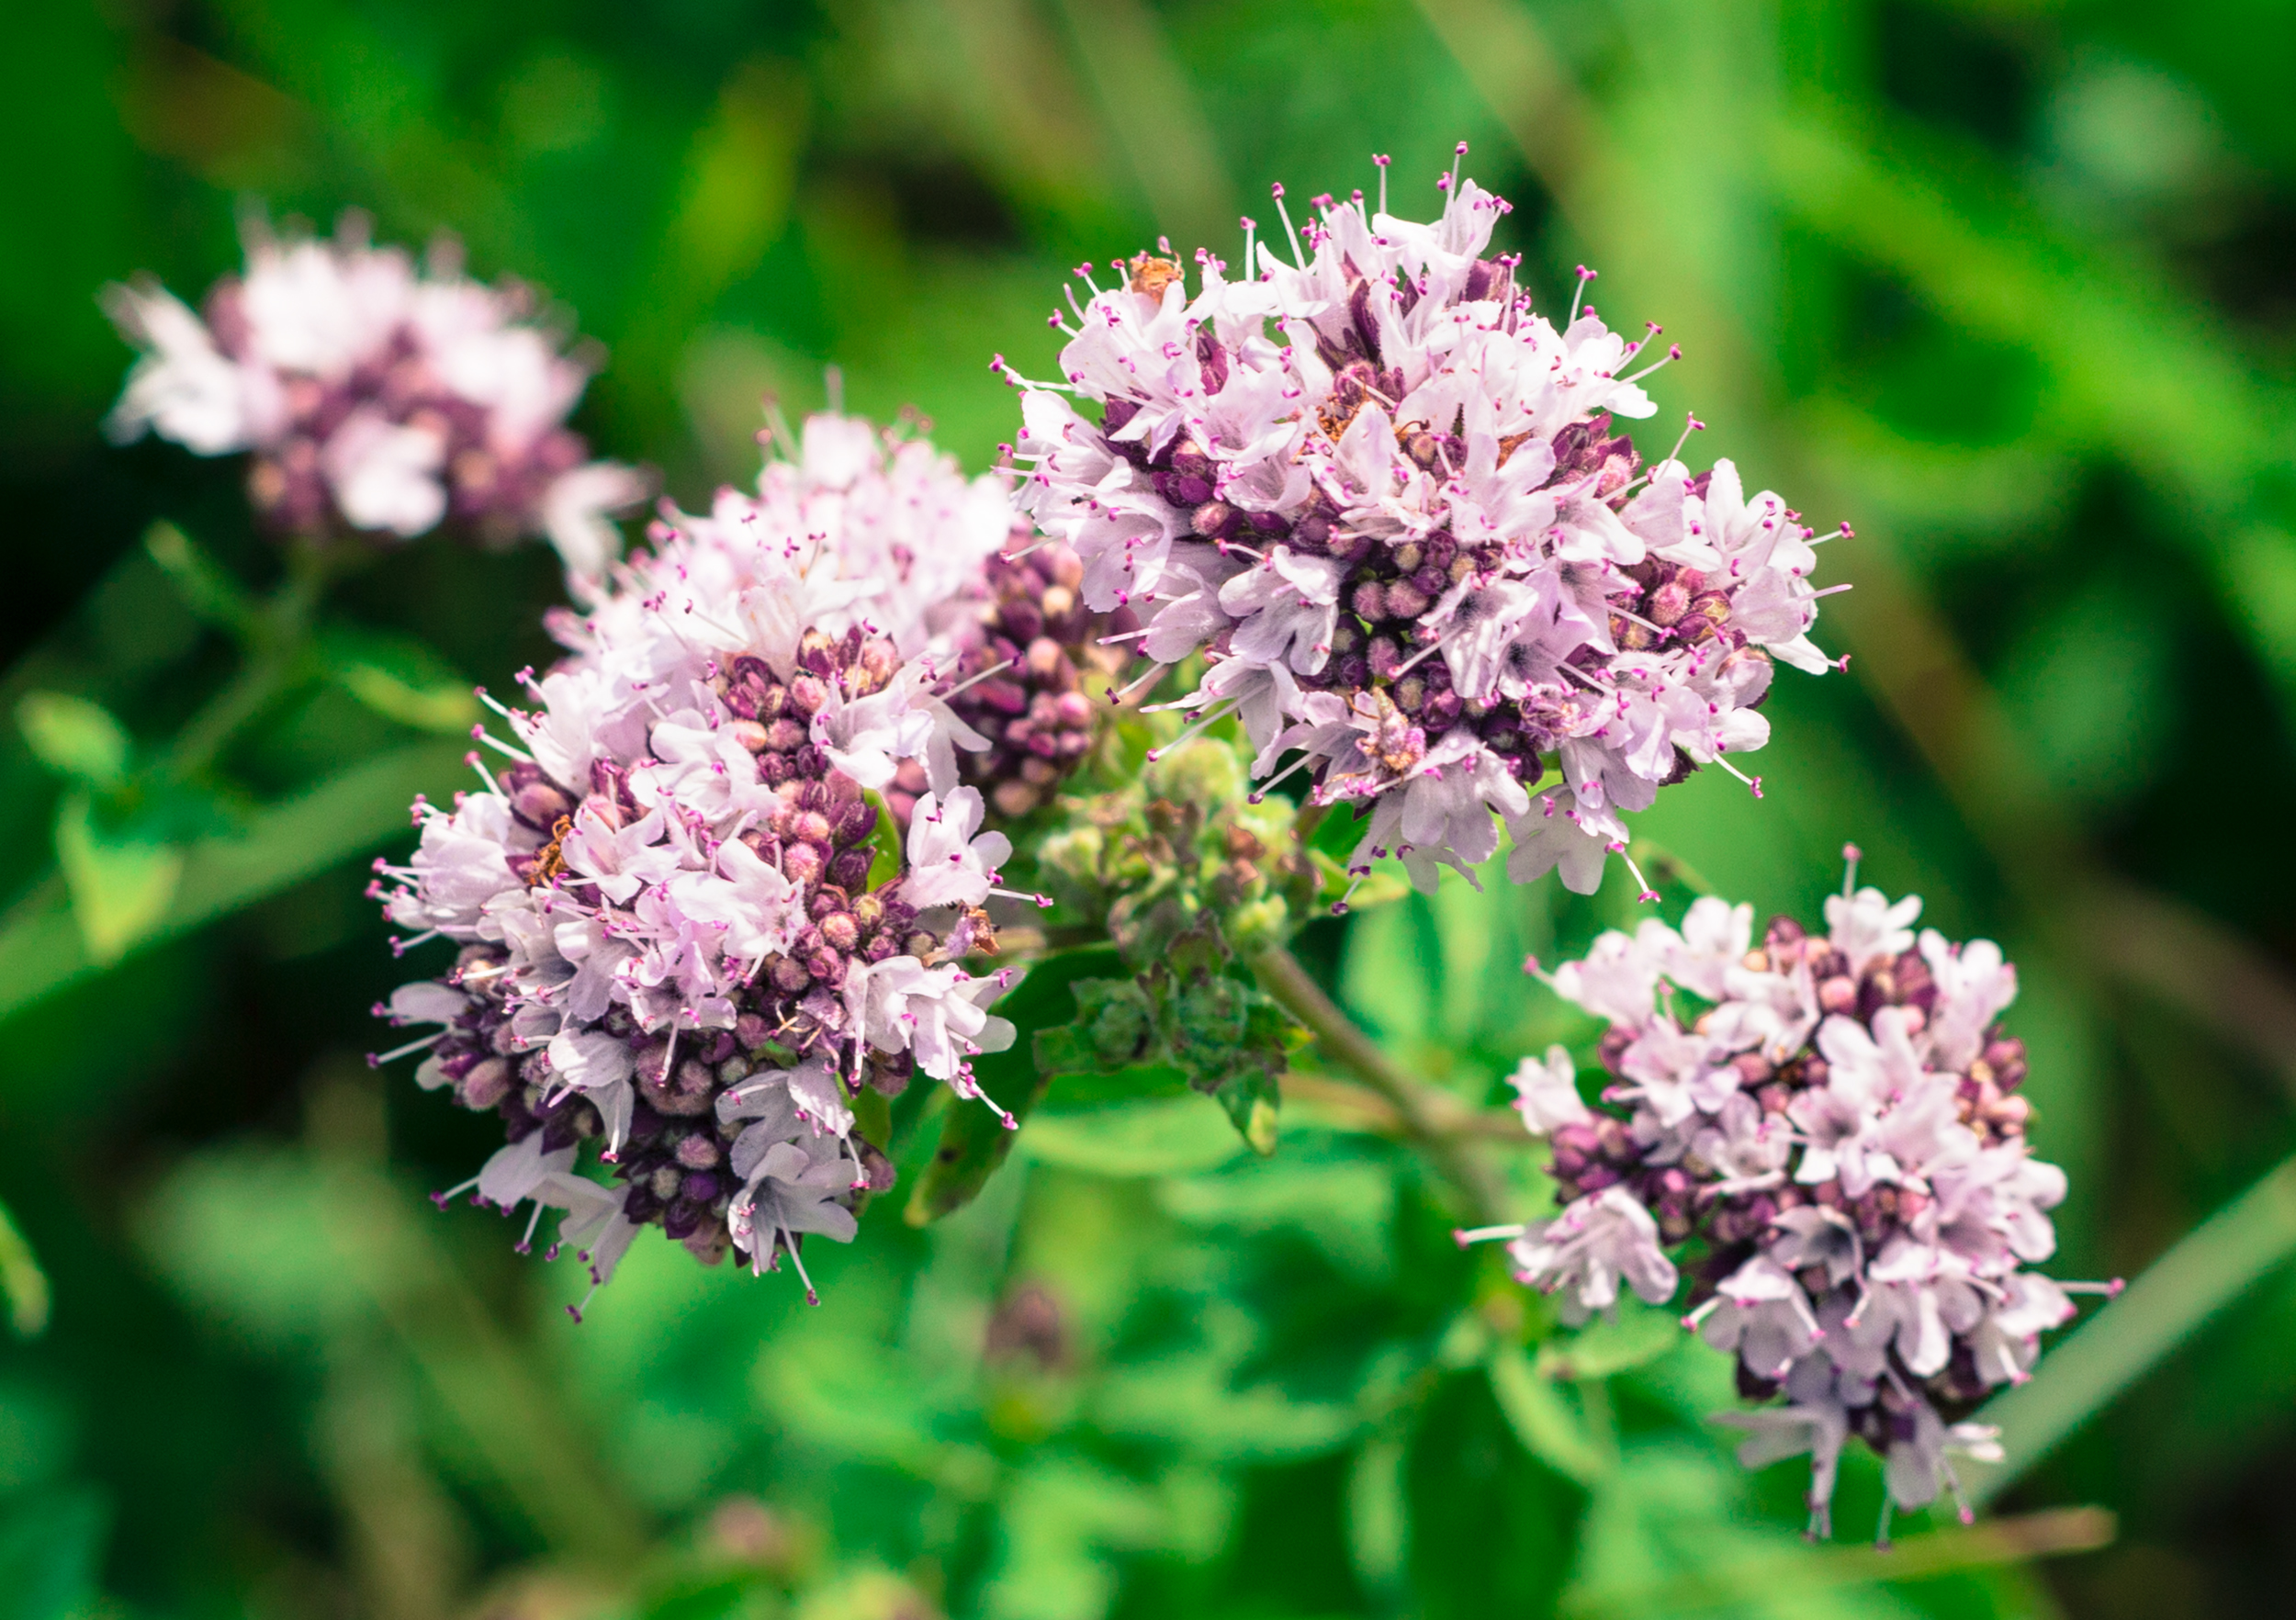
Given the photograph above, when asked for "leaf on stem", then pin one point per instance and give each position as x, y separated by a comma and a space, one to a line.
1541, 1418
22, 1279
205, 586
78, 740
1634, 1335
43, 949
400, 680
122, 884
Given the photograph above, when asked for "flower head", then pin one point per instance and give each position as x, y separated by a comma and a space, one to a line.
375, 399
877, 530
1382, 496
676, 937
1836, 1118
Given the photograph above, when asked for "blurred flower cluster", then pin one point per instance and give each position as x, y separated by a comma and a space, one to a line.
375, 399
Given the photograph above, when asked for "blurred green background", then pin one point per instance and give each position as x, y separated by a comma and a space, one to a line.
2010, 287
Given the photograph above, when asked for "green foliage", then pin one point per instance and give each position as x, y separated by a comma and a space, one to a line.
1189, 878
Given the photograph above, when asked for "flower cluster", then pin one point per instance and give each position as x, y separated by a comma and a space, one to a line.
1835, 1120
686, 931
892, 538
1381, 497
375, 400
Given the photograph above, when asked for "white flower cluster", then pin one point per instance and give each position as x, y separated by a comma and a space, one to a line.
684, 932
376, 399
1379, 494
1837, 1118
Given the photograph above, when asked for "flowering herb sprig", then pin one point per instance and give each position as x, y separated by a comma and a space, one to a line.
375, 400
1382, 496
1828, 1129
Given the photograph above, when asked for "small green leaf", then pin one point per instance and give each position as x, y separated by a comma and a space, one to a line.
122, 887
400, 680
205, 586
442, 709
75, 738
1171, 1136
884, 838
44, 949
1638, 1334
1542, 1420
25, 1283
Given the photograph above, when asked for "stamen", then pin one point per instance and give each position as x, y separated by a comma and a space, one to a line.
1205, 722
1753, 782
375, 1060
1585, 276
972, 681
1289, 234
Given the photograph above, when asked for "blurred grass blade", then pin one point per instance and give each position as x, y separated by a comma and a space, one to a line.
1131, 66
22, 1279
41, 950
2127, 1338
1796, 1573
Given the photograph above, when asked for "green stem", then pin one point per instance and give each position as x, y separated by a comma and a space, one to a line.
1421, 1108
276, 641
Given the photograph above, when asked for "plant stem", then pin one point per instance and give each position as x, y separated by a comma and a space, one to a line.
276, 641
1420, 1110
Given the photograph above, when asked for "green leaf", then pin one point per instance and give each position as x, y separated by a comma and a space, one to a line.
205, 586
20, 1276
347, 814
122, 886
400, 680
973, 1141
884, 838
1542, 1420
1639, 1333
1169, 1137
75, 738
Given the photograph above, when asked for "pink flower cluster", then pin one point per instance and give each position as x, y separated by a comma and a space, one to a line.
1379, 495
685, 930
1834, 1121
375, 399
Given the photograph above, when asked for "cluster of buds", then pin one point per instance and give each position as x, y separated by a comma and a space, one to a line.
375, 400
1832, 1123
1023, 677
1379, 495
685, 932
